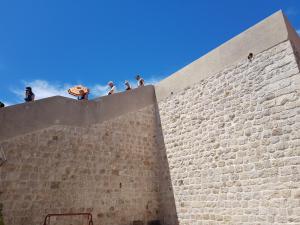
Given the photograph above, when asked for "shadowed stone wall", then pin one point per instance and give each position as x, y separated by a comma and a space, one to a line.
233, 144
108, 169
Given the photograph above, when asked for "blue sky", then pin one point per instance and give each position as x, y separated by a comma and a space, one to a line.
54, 44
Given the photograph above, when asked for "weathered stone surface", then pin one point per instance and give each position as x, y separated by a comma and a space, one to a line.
98, 169
232, 145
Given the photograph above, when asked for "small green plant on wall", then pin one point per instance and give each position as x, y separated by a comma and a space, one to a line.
1, 216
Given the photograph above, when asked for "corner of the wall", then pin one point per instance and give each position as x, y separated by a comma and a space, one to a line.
260, 37
292, 33
294, 39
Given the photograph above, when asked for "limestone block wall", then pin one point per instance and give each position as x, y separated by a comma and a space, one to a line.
232, 144
109, 169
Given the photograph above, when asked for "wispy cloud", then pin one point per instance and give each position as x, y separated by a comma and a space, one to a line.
7, 103
98, 90
43, 89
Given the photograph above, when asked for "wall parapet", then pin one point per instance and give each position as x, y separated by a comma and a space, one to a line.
27, 117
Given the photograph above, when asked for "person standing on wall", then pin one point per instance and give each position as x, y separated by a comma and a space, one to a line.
112, 88
140, 81
84, 95
127, 85
29, 95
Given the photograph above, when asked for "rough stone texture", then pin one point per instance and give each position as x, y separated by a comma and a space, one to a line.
233, 144
167, 208
25, 118
108, 169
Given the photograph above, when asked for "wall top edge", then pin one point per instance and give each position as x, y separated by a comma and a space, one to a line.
27, 117
269, 32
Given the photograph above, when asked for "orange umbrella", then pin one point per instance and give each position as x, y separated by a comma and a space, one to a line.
76, 90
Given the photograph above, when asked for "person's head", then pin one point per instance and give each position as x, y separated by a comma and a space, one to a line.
81, 92
110, 84
137, 77
28, 90
127, 83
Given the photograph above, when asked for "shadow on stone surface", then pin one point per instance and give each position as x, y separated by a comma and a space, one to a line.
168, 212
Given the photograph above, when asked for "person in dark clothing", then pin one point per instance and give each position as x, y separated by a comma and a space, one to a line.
83, 95
2, 105
127, 85
29, 95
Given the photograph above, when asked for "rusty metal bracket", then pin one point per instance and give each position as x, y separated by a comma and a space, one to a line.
89, 217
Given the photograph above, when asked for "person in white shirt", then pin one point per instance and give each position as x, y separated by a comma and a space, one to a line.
140, 81
112, 88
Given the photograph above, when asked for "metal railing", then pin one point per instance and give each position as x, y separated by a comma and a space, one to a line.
88, 215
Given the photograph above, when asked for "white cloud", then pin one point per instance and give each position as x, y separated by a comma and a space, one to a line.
7, 103
43, 89
98, 90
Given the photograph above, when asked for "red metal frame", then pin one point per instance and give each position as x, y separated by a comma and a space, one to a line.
89, 217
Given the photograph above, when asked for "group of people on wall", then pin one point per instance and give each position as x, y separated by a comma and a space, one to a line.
140, 83
112, 88
83, 95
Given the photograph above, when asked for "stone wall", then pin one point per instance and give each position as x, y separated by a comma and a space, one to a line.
233, 144
108, 169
